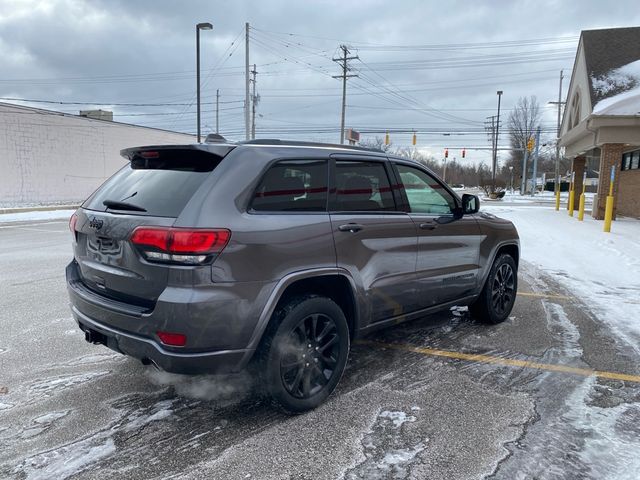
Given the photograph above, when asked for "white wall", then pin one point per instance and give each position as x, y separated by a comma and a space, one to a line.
46, 157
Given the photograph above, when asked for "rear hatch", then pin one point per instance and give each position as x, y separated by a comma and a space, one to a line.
151, 191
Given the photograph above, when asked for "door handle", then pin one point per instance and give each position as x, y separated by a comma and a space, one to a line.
428, 225
351, 227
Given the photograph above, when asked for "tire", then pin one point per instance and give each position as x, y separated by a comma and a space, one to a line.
499, 292
303, 353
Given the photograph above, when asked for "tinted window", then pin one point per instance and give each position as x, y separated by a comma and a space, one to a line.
161, 185
362, 186
425, 194
293, 186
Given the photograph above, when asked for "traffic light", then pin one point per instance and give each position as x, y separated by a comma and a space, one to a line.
386, 139
530, 144
464, 152
446, 153
415, 139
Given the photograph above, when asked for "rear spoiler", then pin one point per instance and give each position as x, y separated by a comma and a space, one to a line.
219, 149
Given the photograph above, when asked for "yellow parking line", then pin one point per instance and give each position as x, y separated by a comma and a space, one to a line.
474, 357
543, 295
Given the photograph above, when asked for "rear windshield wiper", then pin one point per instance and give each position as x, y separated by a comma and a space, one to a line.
116, 205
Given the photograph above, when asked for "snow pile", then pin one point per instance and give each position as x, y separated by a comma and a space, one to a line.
36, 216
622, 87
397, 418
601, 269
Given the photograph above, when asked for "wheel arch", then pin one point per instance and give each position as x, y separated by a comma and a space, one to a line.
511, 248
335, 284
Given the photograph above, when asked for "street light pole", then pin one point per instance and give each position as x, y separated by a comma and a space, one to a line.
495, 150
199, 26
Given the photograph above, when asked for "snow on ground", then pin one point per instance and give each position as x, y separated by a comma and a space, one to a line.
602, 269
36, 216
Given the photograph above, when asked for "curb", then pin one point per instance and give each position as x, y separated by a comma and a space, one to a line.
49, 208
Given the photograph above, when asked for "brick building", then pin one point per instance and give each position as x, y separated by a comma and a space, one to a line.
601, 123
53, 157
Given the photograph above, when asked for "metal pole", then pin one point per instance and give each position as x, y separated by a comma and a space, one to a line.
198, 76
523, 186
495, 151
218, 111
246, 82
535, 163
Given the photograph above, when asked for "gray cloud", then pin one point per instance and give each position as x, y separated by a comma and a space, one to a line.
144, 52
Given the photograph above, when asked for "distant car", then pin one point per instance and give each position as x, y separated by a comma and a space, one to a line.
457, 186
213, 257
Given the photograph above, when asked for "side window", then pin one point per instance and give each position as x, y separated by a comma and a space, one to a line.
424, 193
293, 186
362, 186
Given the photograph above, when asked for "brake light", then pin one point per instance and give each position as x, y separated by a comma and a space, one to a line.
172, 339
72, 223
180, 245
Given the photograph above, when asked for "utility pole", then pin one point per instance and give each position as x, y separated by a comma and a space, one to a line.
218, 110
246, 81
345, 68
557, 172
495, 150
254, 102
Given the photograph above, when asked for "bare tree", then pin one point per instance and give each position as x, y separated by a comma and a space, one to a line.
376, 143
522, 123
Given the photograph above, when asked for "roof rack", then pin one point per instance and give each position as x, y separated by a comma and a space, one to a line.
277, 141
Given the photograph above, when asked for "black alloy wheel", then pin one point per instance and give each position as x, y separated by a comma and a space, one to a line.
495, 302
311, 360
303, 353
503, 289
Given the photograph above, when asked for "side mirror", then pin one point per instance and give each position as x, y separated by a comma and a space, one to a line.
470, 204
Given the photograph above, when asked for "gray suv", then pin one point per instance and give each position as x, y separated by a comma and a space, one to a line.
215, 257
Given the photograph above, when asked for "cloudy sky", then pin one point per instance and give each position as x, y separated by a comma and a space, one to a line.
429, 66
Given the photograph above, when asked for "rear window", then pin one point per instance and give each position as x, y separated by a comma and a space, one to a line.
159, 185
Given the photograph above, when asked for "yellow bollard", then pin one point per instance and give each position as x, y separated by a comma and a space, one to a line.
608, 213
608, 207
571, 202
558, 200
581, 207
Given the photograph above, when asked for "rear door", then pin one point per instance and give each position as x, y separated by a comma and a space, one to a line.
151, 190
448, 245
375, 241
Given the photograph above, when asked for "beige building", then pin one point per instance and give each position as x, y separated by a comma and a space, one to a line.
601, 122
53, 157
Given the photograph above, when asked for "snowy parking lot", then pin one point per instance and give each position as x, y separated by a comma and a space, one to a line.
554, 392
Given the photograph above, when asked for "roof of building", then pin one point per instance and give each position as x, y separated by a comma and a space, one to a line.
606, 50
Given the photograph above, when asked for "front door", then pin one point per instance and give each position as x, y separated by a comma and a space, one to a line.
449, 245
375, 241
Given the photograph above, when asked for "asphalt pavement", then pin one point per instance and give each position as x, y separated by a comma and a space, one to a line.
548, 394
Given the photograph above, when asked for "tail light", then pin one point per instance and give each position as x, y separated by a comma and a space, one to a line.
180, 245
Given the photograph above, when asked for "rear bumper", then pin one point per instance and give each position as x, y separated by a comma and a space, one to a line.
148, 351
216, 321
